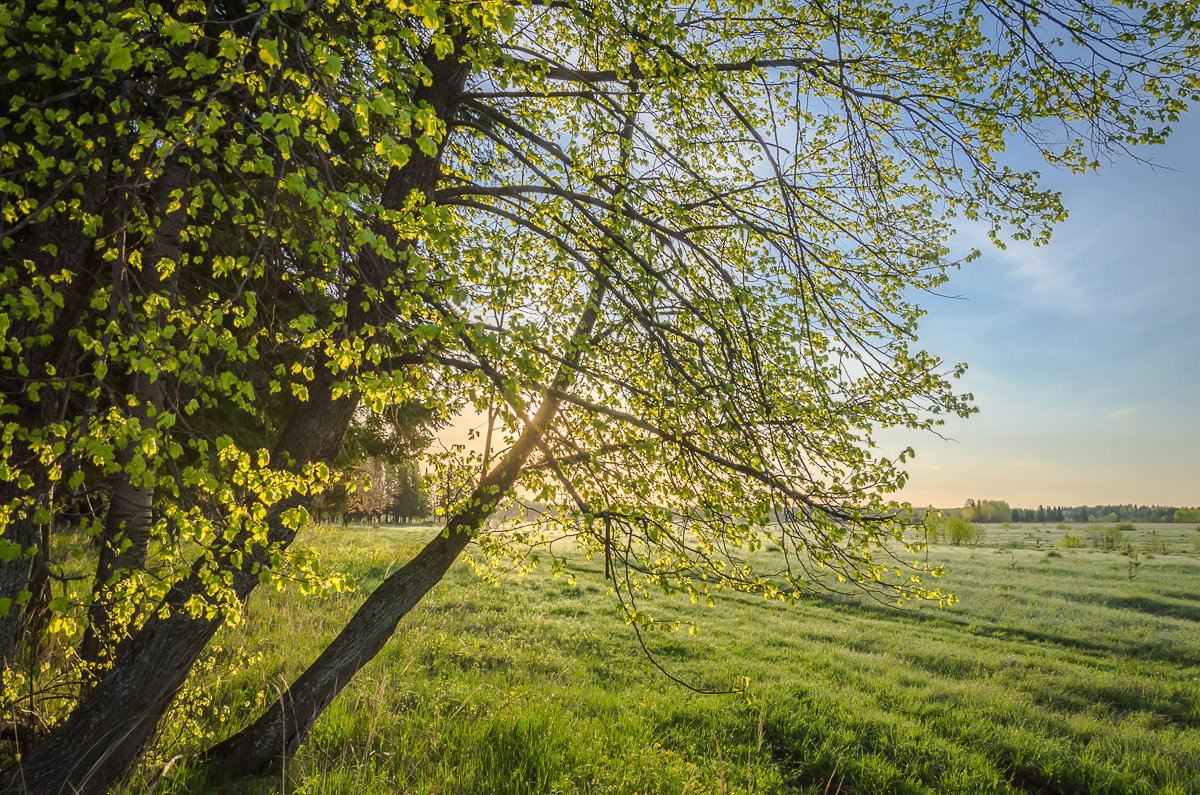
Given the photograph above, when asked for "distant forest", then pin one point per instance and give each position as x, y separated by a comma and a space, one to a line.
1000, 511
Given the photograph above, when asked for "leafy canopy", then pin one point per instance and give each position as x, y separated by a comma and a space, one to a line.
699, 231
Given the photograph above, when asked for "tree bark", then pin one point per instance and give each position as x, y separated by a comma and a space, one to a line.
129, 519
105, 734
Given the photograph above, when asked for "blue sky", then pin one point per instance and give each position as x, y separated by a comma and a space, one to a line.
1084, 354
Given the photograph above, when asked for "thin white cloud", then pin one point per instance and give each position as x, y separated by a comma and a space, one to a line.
1048, 276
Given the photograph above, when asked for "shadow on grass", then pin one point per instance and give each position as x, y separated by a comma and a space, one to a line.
1155, 607
984, 628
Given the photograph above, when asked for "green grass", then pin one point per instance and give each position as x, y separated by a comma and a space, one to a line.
1055, 672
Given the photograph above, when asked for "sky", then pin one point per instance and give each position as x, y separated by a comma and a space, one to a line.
1084, 354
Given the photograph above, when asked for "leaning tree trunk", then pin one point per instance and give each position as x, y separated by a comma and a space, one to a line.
285, 725
281, 729
105, 734
287, 722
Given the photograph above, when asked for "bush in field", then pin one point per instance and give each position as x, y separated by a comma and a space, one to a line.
959, 531
1109, 537
933, 526
1068, 541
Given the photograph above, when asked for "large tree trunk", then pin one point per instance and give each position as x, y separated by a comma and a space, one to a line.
105, 734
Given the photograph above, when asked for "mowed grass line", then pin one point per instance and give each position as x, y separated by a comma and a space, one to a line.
1055, 672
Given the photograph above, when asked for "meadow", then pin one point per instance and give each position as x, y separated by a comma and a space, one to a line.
1059, 670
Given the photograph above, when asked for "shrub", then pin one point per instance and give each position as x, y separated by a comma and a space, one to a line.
958, 531
1109, 537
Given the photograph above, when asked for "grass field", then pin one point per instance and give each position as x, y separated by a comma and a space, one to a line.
1055, 673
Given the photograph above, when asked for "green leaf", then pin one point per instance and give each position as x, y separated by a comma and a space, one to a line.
120, 55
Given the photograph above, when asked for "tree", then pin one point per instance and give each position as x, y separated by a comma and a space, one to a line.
409, 498
1186, 515
672, 251
384, 489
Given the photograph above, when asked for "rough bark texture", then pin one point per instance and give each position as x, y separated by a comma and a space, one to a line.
105, 734
129, 519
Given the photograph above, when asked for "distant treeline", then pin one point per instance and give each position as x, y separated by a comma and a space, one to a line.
1000, 511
